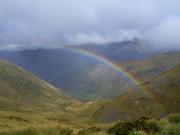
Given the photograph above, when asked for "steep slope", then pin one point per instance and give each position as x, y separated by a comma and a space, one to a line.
96, 82
85, 78
167, 84
151, 67
22, 91
137, 102
62, 67
101, 81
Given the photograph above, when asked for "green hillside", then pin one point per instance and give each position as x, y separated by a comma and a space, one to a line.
100, 81
152, 67
27, 101
156, 98
22, 91
167, 84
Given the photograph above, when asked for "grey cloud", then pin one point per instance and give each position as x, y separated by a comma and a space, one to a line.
166, 34
52, 23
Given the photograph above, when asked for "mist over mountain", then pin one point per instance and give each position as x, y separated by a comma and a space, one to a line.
71, 71
127, 50
84, 77
47, 24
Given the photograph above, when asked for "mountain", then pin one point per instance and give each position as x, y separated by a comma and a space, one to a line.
26, 100
138, 102
167, 84
129, 50
22, 91
151, 67
62, 67
86, 78
101, 81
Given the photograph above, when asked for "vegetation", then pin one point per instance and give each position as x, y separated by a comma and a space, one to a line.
174, 118
91, 130
171, 130
156, 98
145, 127
124, 128
33, 131
40, 109
142, 126
22, 91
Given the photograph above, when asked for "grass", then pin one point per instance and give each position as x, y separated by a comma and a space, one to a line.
174, 118
32, 93
47, 131
143, 126
38, 109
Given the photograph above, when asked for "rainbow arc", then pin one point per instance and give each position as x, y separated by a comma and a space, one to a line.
118, 68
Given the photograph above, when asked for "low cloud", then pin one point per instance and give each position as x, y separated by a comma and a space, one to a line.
166, 35
53, 23
120, 35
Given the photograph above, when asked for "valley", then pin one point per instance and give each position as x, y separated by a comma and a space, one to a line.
29, 102
89, 67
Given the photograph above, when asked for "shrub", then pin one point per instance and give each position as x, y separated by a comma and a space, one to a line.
124, 128
174, 118
152, 126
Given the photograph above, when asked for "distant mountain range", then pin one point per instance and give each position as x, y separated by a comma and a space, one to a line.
86, 78
110, 96
129, 50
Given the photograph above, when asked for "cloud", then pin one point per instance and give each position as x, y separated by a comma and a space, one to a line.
83, 38
166, 34
52, 23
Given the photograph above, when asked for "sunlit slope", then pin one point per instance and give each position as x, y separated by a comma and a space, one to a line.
22, 91
139, 102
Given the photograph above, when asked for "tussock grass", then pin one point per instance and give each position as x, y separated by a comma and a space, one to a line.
138, 127
45, 131
174, 118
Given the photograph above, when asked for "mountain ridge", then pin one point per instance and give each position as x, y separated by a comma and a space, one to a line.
136, 103
20, 90
86, 78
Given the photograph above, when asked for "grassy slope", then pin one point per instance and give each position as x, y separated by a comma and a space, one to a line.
144, 126
149, 68
167, 84
42, 96
26, 100
137, 103
101, 81
20, 90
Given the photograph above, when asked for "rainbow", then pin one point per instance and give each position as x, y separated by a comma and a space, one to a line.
116, 67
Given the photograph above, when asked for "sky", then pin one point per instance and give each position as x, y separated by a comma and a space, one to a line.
54, 23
